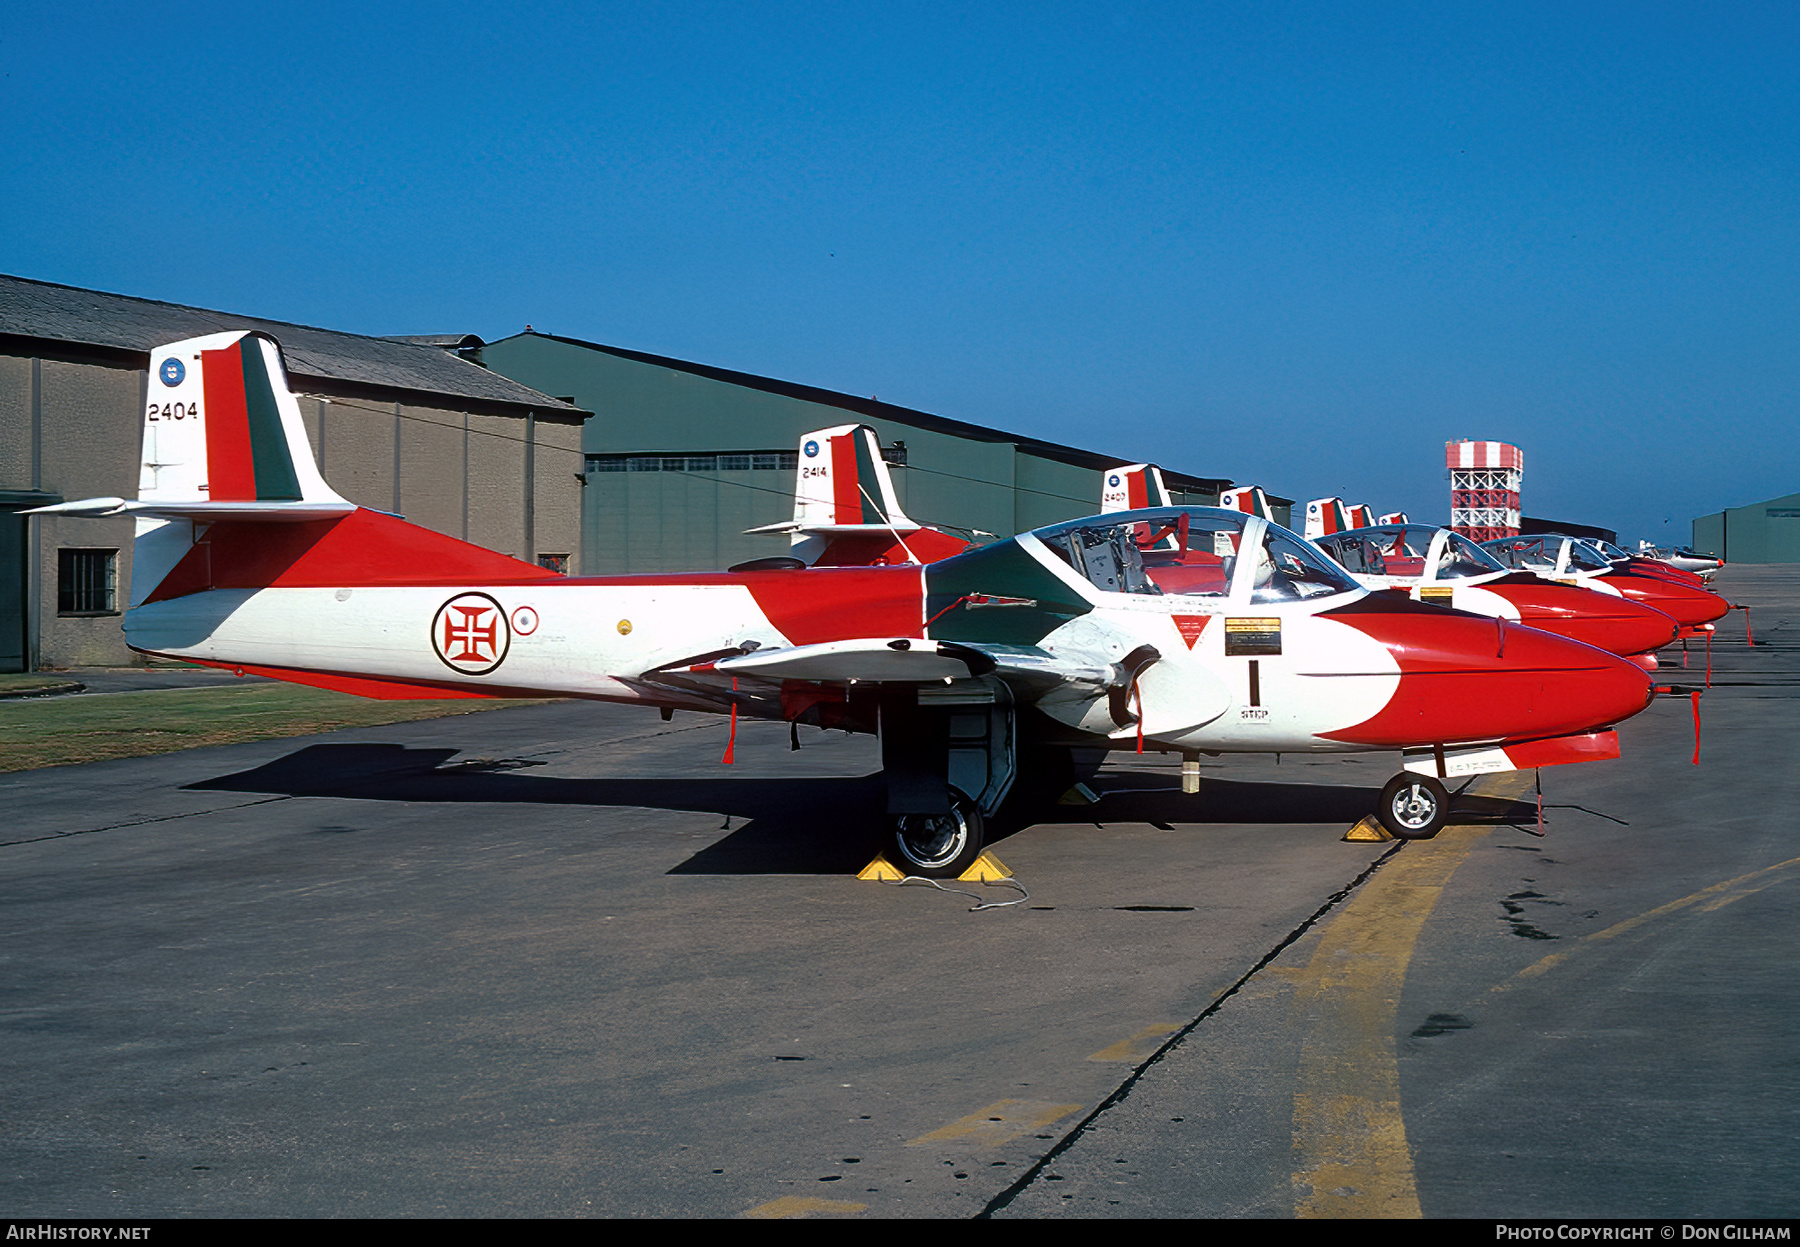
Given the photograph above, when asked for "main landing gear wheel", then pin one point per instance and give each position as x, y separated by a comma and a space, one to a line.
1413, 807
937, 846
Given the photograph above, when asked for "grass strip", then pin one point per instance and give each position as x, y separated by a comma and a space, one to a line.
34, 683
62, 731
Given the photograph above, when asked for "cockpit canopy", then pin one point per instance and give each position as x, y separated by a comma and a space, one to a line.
1193, 552
1416, 551
1548, 554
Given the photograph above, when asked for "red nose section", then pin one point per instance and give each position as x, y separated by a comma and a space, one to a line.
1664, 571
1684, 604
1616, 625
1468, 678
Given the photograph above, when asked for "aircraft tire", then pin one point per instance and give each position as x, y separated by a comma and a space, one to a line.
1413, 807
937, 846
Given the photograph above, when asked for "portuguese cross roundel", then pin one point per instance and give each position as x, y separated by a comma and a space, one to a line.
470, 634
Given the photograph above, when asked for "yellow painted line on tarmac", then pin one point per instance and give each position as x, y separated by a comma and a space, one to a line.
1709, 899
1138, 1046
1000, 1122
789, 1206
1351, 1154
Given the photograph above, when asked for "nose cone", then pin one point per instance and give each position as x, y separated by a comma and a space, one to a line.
1684, 604
1616, 625
1469, 678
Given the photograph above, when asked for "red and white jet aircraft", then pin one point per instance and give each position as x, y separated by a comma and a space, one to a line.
1573, 561
1704, 566
1179, 629
1644, 565
1433, 564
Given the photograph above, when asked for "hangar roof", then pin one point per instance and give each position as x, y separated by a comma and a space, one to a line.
876, 409
40, 316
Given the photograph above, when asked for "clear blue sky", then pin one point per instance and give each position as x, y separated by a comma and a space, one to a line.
1295, 244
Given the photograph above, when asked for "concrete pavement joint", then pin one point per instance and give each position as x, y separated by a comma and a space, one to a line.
145, 822
1125, 1088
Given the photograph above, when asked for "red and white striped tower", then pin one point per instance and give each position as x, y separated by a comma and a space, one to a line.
1484, 488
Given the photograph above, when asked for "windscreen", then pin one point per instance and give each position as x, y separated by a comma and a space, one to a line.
1289, 570
1462, 558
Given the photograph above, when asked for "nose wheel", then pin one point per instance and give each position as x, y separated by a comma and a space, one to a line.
937, 846
1413, 807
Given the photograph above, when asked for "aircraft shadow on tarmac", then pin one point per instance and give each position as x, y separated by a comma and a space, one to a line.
794, 826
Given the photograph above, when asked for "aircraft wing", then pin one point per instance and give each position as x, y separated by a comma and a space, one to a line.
905, 660
1070, 688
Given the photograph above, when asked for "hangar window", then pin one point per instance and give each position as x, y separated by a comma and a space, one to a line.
87, 582
721, 461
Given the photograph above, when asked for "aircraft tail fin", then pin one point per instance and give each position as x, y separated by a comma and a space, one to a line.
1360, 515
842, 484
223, 439
1133, 487
846, 512
1247, 498
225, 454
1325, 516
1392, 517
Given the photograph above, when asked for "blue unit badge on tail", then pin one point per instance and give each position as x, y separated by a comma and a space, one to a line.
172, 371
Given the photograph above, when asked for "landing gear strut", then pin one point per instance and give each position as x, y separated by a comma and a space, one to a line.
1413, 807
948, 755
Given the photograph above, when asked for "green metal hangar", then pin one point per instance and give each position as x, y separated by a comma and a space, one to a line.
412, 426
1763, 532
682, 457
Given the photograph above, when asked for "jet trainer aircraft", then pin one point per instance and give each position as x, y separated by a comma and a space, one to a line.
1433, 564
1572, 561
1683, 559
1643, 565
1179, 629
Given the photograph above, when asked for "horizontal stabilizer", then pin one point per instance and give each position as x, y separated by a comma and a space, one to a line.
903, 528
205, 512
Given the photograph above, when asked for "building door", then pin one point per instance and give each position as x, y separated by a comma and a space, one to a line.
15, 577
